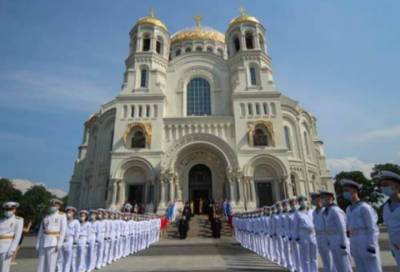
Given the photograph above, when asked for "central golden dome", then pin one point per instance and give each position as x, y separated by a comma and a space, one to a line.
198, 33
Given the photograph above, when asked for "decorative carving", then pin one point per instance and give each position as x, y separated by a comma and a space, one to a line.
145, 127
268, 124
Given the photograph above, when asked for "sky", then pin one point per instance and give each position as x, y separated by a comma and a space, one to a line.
60, 60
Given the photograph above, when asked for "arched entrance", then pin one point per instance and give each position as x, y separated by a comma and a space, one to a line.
200, 186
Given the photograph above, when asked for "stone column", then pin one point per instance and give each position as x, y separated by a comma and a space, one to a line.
115, 184
162, 204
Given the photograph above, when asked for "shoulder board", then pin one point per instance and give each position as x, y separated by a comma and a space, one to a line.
61, 213
17, 217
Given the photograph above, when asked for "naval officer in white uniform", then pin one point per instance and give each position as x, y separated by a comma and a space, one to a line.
390, 186
11, 227
362, 228
51, 237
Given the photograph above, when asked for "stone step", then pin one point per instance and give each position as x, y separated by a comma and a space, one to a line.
199, 226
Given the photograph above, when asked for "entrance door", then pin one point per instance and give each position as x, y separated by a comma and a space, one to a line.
200, 187
135, 194
264, 192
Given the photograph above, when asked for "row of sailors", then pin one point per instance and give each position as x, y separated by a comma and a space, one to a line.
66, 244
291, 233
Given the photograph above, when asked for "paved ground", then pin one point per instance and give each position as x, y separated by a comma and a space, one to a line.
195, 254
198, 253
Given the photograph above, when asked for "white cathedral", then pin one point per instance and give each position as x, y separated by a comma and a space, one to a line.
198, 116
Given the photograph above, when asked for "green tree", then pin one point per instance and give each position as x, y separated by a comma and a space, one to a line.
8, 191
35, 203
386, 166
369, 192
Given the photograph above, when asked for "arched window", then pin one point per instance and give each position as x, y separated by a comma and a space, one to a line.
125, 111
198, 97
253, 76
293, 181
146, 42
159, 44
132, 111
261, 39
287, 137
250, 108
220, 52
242, 109
258, 112
147, 110
265, 108
273, 108
143, 78
140, 111
249, 40
305, 136
199, 48
260, 136
188, 49
210, 49
236, 43
138, 139
177, 52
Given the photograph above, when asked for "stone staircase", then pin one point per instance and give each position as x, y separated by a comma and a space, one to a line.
199, 227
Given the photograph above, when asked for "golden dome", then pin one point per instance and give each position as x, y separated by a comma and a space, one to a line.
243, 18
148, 20
198, 33
151, 20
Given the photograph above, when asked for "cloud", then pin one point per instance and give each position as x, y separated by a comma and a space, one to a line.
379, 135
350, 164
31, 90
23, 185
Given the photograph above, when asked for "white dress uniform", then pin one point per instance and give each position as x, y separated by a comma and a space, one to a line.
100, 240
391, 218
66, 258
82, 246
335, 220
10, 233
91, 256
304, 234
285, 240
362, 226
294, 246
50, 240
322, 240
107, 242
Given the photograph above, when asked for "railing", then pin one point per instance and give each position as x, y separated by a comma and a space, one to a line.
175, 128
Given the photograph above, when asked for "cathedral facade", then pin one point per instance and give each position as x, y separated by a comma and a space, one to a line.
198, 116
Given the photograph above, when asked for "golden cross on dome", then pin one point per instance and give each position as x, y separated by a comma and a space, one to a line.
242, 11
198, 19
152, 13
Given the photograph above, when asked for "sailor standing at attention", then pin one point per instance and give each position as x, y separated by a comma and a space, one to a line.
335, 220
66, 257
51, 237
320, 231
11, 227
362, 228
82, 241
91, 257
390, 186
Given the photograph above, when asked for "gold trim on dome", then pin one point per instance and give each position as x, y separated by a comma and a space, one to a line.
151, 21
198, 34
243, 18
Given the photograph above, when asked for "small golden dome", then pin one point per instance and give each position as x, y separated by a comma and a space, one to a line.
198, 33
151, 20
243, 18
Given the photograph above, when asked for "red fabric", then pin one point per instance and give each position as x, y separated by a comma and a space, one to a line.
230, 220
164, 222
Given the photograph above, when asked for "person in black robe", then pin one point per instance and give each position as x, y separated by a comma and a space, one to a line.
183, 223
216, 221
